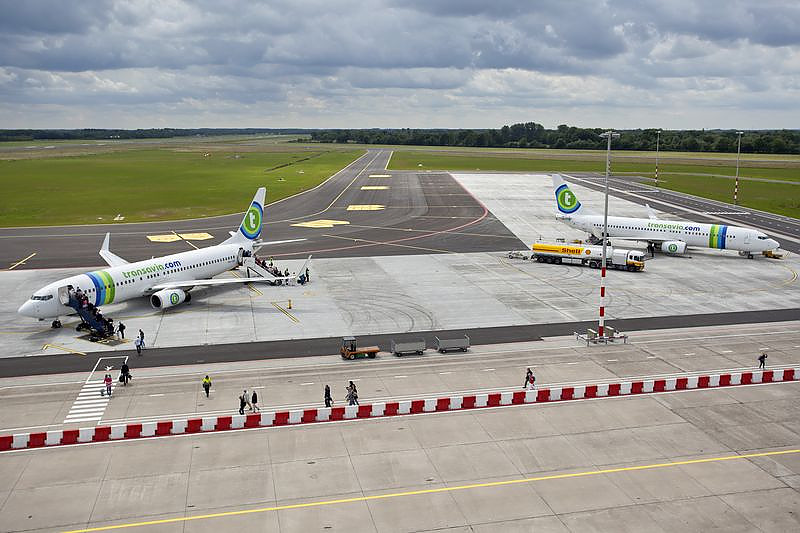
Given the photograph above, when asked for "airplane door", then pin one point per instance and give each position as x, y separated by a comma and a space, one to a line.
63, 295
747, 237
240, 256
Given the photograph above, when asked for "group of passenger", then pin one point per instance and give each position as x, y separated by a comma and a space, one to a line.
275, 271
82, 298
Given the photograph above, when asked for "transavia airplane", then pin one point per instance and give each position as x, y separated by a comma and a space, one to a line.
166, 280
671, 236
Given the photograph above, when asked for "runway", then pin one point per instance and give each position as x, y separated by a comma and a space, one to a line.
350, 215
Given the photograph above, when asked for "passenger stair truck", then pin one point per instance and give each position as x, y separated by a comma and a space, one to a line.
97, 327
588, 255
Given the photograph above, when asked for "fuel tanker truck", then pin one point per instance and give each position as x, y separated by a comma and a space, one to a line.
586, 255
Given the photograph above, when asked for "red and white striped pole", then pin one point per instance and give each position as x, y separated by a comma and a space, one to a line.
736, 184
601, 324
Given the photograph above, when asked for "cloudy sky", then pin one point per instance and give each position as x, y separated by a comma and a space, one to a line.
394, 63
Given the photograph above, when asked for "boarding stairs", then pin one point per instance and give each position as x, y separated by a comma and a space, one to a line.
87, 316
253, 269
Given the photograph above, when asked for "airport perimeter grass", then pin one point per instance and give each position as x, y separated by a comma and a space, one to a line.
703, 180
149, 185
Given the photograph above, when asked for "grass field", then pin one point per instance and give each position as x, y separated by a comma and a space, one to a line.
155, 184
702, 179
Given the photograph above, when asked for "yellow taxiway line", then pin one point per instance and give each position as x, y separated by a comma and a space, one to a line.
18, 263
59, 347
437, 490
285, 312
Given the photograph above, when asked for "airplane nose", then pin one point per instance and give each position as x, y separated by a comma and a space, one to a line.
27, 309
773, 244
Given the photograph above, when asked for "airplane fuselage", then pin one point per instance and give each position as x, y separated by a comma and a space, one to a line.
692, 233
133, 280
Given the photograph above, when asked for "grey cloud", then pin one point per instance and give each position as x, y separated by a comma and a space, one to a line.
369, 60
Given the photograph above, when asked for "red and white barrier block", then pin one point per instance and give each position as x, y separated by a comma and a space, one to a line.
395, 408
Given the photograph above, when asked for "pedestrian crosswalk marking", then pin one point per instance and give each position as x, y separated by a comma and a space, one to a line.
91, 402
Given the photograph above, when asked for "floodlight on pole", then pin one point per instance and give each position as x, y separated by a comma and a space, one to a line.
610, 134
658, 138
736, 183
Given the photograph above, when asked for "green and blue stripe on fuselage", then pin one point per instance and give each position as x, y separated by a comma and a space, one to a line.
716, 236
104, 287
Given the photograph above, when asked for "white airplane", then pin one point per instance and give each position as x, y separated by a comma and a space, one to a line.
671, 236
166, 280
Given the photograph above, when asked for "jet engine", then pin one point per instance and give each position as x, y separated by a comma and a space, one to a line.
673, 247
166, 298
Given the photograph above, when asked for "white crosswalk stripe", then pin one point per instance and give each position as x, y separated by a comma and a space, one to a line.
89, 405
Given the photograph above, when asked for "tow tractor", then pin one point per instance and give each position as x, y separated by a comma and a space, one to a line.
350, 350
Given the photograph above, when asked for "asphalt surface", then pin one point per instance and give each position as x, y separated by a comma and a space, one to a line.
423, 213
221, 353
636, 189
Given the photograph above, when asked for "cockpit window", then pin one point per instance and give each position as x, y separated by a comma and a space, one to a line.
42, 298
762, 237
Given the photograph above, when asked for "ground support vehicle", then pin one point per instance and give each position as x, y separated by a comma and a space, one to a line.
587, 255
403, 348
351, 350
445, 345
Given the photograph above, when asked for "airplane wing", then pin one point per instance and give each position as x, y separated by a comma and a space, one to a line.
112, 259
182, 284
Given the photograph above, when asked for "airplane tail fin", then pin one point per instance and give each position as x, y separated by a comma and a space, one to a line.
250, 228
567, 203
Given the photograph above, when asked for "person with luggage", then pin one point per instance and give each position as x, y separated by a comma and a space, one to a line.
762, 361
125, 374
528, 375
121, 330
328, 399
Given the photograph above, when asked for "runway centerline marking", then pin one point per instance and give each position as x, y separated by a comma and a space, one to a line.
438, 490
21, 262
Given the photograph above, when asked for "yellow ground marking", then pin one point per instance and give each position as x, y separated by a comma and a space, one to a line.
437, 490
58, 346
320, 223
248, 285
172, 237
380, 175
277, 306
374, 187
195, 236
365, 207
18, 263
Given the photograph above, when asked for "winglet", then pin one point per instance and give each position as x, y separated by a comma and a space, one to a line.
109, 257
650, 212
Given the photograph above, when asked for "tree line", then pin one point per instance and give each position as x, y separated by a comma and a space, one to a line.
523, 135
533, 135
153, 133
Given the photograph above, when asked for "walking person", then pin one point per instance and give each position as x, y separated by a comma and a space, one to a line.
254, 401
308, 275
138, 343
242, 403
126, 374
141, 337
247, 400
352, 394
108, 381
762, 361
121, 330
528, 375
328, 399
207, 385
